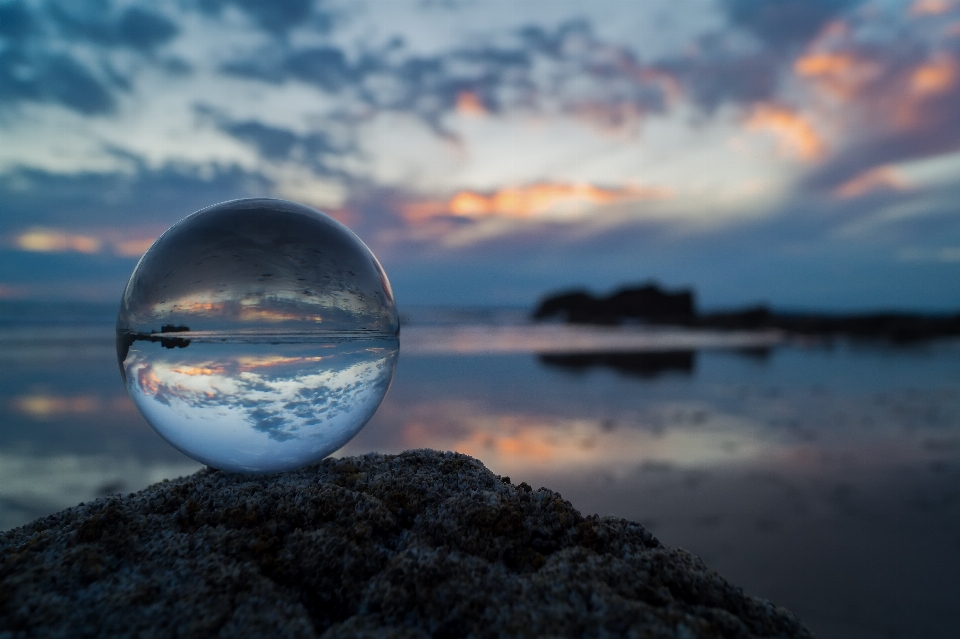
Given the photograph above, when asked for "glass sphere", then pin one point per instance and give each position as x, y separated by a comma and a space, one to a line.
257, 335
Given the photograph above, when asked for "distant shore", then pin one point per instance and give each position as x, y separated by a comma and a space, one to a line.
650, 304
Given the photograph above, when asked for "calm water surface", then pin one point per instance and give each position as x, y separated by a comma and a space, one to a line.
826, 478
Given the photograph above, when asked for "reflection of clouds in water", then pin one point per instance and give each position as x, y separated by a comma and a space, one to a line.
244, 405
796, 430
514, 441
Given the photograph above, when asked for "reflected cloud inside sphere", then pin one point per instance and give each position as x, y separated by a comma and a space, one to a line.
260, 407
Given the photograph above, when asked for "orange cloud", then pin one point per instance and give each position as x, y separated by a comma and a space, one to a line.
252, 363
796, 135
45, 406
930, 7
469, 103
47, 241
133, 248
253, 314
877, 178
815, 64
148, 381
194, 371
60, 241
933, 77
841, 74
530, 201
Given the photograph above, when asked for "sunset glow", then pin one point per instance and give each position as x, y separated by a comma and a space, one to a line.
823, 64
930, 7
41, 241
610, 145
879, 178
468, 103
46, 406
934, 77
796, 136
535, 200
58, 241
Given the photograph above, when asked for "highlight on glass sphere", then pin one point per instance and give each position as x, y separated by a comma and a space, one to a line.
257, 335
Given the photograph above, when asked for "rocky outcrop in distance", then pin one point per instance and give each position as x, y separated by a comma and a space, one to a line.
650, 304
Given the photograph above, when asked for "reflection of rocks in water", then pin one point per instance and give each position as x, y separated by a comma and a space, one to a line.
759, 354
648, 364
125, 340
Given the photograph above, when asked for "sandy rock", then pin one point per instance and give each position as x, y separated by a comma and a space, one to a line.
422, 544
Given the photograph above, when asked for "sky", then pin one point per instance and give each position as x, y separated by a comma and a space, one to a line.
800, 153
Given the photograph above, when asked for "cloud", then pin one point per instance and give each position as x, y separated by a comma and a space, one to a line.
278, 16
936, 76
16, 22
931, 7
41, 62
52, 78
567, 69
781, 24
134, 27
153, 197
47, 241
947, 255
120, 242
881, 178
888, 96
796, 135
534, 201
42, 406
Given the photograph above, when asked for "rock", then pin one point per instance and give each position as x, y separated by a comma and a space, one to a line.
650, 304
422, 544
647, 303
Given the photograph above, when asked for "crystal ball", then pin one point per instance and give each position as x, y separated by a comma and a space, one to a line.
257, 335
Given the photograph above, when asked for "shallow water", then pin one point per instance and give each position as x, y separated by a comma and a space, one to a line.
826, 478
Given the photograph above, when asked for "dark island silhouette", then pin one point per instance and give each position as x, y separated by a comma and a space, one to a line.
651, 304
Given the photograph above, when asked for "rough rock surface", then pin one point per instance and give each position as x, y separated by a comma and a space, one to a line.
422, 544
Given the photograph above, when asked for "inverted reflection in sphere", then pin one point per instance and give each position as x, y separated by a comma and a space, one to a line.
257, 335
